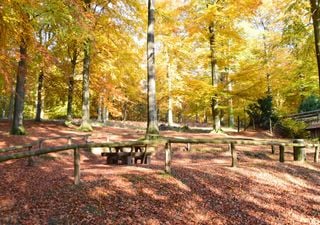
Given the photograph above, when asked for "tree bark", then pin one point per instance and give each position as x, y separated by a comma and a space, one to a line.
152, 123
39, 96
315, 12
71, 85
230, 107
170, 114
17, 125
105, 112
85, 125
124, 112
214, 77
100, 110
11, 104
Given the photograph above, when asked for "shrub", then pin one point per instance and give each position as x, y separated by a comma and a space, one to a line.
292, 129
261, 112
185, 128
310, 103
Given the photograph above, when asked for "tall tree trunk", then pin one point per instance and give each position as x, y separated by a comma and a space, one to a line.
17, 124
100, 109
152, 124
169, 79
85, 125
124, 112
39, 96
11, 103
316, 27
230, 102
71, 85
105, 114
214, 77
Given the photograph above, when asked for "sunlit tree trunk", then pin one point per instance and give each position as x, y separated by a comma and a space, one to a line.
85, 125
152, 123
214, 77
17, 124
169, 80
170, 112
315, 10
39, 96
230, 104
105, 114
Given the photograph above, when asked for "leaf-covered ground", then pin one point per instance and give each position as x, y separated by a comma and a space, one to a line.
203, 188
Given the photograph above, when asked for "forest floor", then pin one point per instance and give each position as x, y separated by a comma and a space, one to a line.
203, 188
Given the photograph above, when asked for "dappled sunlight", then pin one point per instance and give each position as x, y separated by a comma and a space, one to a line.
261, 176
101, 192
203, 188
154, 194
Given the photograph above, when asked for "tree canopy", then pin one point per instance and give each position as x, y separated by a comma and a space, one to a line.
258, 48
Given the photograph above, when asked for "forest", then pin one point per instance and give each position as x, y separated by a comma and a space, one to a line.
215, 61
159, 112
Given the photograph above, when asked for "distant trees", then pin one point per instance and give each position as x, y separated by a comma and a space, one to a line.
311, 103
82, 58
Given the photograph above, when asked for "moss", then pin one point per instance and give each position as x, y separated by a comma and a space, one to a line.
18, 131
185, 128
165, 175
86, 127
153, 130
219, 131
68, 123
152, 136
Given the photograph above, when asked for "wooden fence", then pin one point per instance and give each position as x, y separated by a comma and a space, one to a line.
231, 142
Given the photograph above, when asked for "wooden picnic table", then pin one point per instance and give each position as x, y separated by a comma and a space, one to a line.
137, 152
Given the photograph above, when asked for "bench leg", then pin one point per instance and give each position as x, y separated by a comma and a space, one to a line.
147, 160
112, 160
129, 160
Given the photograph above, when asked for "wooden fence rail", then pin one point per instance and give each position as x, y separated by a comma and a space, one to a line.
231, 142
41, 140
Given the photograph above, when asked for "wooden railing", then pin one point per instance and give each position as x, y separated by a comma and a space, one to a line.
231, 142
311, 117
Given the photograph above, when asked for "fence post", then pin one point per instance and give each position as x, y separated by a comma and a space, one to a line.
40, 144
234, 155
281, 154
299, 151
273, 150
167, 168
189, 147
30, 158
69, 141
229, 147
316, 153
76, 156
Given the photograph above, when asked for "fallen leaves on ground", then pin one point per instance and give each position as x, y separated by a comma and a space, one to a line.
203, 188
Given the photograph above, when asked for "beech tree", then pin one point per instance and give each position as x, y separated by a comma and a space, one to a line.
152, 122
315, 12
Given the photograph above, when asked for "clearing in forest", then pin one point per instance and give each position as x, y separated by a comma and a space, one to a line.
203, 188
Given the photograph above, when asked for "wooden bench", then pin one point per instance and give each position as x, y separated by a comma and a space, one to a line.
137, 152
